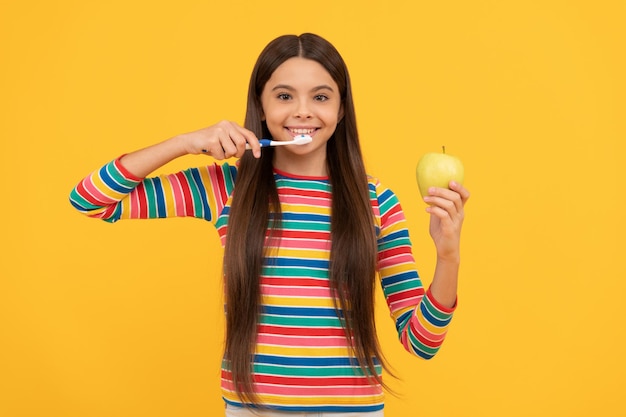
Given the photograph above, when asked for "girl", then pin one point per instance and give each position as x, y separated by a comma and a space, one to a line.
305, 233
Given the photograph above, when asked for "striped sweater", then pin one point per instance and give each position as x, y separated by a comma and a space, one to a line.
302, 361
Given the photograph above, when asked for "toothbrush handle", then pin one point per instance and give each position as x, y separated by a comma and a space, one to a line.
264, 143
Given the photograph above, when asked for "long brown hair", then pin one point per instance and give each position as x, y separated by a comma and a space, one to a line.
255, 204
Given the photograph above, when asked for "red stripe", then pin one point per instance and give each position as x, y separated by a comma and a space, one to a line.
301, 331
143, 206
393, 210
296, 234
303, 193
421, 338
403, 295
82, 191
299, 381
108, 212
186, 189
401, 250
311, 382
221, 184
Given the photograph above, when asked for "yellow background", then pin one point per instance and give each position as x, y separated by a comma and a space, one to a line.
126, 319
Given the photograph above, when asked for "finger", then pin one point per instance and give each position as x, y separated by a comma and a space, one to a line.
229, 145
445, 205
441, 195
455, 194
214, 151
251, 139
463, 192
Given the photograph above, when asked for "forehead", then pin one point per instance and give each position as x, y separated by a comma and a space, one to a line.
301, 73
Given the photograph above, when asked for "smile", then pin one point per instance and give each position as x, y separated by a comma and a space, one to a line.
301, 131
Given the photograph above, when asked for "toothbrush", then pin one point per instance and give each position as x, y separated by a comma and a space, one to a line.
298, 140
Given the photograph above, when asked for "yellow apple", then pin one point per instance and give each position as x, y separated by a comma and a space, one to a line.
437, 170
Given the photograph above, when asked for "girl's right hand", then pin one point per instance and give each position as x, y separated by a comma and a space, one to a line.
223, 140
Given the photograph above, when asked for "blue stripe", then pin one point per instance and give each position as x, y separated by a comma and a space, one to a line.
300, 263
84, 205
304, 361
111, 183
299, 311
403, 320
432, 319
160, 198
394, 279
400, 234
195, 173
306, 217
385, 196
319, 408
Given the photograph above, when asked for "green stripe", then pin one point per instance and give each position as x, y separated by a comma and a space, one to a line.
304, 185
399, 287
386, 205
306, 226
300, 321
78, 199
394, 243
228, 180
434, 311
118, 177
295, 272
421, 346
313, 371
150, 198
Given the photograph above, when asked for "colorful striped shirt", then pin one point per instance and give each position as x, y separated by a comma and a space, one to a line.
302, 360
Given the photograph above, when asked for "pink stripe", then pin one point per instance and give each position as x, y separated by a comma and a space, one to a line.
179, 199
395, 218
417, 328
319, 244
216, 193
410, 302
97, 196
406, 258
350, 392
304, 342
134, 204
296, 291
307, 201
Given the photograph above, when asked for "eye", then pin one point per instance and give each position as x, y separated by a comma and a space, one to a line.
320, 97
283, 96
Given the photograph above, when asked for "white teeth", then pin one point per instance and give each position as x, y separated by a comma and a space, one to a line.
302, 131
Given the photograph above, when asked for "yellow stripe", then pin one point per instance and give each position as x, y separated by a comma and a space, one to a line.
321, 351
299, 208
104, 189
428, 326
312, 400
275, 300
168, 196
300, 253
212, 201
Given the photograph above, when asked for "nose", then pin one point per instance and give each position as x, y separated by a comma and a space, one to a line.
302, 110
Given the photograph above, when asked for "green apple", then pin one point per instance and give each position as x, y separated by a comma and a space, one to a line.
437, 170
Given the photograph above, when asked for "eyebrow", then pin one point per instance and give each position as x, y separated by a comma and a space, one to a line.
290, 88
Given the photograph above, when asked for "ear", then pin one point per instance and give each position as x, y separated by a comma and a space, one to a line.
341, 114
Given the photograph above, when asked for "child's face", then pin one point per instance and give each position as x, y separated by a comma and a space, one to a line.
301, 98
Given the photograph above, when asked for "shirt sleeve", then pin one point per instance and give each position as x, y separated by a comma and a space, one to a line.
113, 193
421, 322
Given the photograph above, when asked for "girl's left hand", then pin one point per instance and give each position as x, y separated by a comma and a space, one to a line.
447, 211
